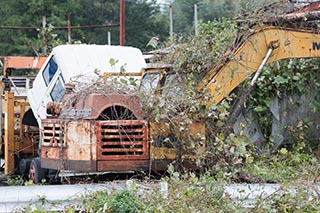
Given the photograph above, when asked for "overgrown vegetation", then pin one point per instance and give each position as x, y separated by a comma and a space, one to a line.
192, 58
191, 193
294, 81
120, 201
181, 103
230, 157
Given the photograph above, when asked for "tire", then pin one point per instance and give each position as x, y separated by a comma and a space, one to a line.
24, 166
36, 173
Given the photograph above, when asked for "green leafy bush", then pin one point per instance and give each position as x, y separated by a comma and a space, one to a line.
120, 201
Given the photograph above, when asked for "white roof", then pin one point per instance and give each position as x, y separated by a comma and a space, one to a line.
75, 60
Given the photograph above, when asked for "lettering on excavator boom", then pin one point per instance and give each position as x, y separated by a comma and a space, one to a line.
316, 46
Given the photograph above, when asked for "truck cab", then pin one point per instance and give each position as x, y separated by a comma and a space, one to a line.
69, 63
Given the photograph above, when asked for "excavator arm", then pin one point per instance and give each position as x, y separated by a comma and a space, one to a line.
264, 45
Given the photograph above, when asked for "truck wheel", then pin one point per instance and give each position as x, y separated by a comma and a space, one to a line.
36, 173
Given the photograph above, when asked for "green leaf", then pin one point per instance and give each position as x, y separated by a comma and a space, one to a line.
112, 62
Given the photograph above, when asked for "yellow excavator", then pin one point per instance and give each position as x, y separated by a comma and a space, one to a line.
271, 41
261, 45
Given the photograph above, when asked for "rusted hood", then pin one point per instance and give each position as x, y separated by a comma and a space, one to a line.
92, 105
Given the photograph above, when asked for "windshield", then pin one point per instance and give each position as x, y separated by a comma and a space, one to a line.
50, 69
173, 87
149, 82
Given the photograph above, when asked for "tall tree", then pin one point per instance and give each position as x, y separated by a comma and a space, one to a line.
183, 15
143, 21
208, 10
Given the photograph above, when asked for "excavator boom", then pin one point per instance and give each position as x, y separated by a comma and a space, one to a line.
276, 39
243, 61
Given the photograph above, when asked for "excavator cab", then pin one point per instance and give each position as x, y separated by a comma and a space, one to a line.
173, 140
154, 78
161, 79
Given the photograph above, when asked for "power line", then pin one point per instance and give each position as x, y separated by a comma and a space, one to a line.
58, 28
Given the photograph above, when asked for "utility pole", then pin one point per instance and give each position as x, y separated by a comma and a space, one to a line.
171, 23
69, 29
109, 38
44, 25
122, 22
196, 20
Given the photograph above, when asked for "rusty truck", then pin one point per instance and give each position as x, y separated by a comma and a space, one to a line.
65, 62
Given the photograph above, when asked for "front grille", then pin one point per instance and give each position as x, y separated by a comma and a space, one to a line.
52, 133
124, 139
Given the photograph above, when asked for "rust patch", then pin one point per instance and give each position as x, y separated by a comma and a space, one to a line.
80, 136
53, 108
99, 102
78, 165
116, 165
53, 153
113, 145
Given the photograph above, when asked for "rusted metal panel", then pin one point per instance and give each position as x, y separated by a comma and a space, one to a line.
80, 137
53, 153
22, 62
114, 145
97, 103
52, 133
118, 165
77, 136
75, 165
119, 140
70, 141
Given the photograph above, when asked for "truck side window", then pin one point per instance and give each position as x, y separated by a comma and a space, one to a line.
50, 70
57, 92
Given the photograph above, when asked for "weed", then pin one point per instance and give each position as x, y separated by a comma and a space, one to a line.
120, 201
14, 181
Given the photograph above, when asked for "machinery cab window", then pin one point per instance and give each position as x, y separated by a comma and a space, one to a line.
149, 82
57, 92
162, 81
50, 70
173, 86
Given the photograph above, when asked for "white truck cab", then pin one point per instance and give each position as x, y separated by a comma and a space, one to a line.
68, 61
